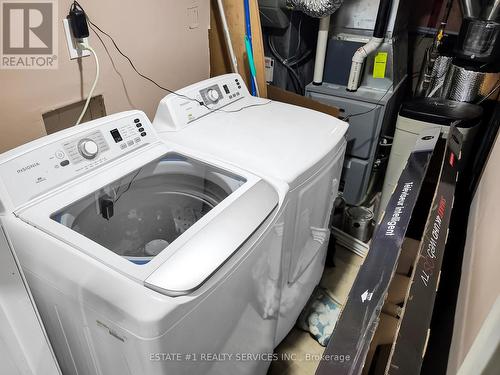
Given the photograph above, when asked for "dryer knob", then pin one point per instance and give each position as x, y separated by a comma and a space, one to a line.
88, 148
213, 95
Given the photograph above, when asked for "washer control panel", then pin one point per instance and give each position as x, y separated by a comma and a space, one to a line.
178, 110
58, 159
89, 147
211, 94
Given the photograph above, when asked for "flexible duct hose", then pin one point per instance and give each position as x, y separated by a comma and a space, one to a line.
316, 8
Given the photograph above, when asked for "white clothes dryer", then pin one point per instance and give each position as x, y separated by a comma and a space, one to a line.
299, 151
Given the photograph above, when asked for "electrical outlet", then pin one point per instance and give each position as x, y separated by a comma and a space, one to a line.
74, 51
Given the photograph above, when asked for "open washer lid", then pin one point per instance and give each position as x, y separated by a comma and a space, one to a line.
162, 218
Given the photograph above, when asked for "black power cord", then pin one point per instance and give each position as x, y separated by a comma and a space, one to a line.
78, 21
288, 66
93, 25
137, 71
371, 109
128, 186
77, 4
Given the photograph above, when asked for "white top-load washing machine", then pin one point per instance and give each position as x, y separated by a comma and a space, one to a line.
298, 150
142, 258
24, 346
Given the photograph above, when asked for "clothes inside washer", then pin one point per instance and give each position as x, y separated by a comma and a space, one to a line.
143, 221
151, 207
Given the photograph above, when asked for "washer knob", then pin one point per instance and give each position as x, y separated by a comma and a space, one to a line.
88, 148
213, 95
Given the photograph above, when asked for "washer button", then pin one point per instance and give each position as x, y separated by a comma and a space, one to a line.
141, 129
213, 95
59, 154
143, 134
137, 120
88, 148
137, 140
64, 163
138, 124
130, 143
123, 146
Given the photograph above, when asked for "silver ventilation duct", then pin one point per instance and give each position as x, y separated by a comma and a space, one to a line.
470, 8
491, 10
475, 9
465, 85
316, 8
322, 9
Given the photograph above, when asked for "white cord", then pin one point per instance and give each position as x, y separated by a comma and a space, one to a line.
84, 45
431, 94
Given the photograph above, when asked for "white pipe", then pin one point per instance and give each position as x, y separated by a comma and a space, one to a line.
469, 8
319, 64
227, 37
492, 10
435, 90
358, 60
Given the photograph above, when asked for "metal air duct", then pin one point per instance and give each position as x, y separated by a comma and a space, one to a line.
316, 8
276, 14
470, 8
475, 9
322, 9
491, 11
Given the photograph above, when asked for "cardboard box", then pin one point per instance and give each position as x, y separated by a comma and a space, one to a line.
280, 95
385, 322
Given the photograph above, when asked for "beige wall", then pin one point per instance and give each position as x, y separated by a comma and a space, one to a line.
480, 284
158, 35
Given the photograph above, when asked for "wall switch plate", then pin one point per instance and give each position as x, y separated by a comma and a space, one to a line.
193, 17
74, 51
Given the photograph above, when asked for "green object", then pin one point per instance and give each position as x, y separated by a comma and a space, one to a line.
251, 63
380, 65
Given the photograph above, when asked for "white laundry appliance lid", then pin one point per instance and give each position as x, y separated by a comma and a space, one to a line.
164, 219
266, 137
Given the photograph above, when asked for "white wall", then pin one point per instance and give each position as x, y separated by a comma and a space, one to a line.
480, 283
159, 37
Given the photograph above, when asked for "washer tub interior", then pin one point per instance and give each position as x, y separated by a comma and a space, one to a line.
143, 212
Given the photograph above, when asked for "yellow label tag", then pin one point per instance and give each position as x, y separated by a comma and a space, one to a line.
379, 65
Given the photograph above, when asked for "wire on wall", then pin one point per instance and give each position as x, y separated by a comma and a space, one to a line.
86, 46
95, 27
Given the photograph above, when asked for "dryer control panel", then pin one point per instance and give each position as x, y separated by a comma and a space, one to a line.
46, 163
179, 109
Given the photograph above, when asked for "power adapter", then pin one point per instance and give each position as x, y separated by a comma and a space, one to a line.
78, 21
106, 206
